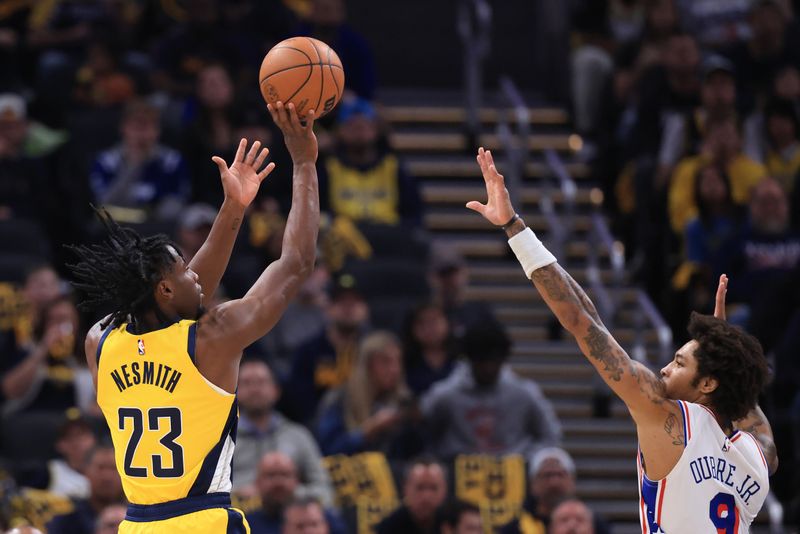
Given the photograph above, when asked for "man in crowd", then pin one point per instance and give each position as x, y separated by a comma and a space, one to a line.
424, 491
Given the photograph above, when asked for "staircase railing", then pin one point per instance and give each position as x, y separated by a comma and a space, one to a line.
474, 24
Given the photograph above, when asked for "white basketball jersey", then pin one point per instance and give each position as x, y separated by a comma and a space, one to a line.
717, 486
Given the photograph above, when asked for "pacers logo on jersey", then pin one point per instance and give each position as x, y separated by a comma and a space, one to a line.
140, 345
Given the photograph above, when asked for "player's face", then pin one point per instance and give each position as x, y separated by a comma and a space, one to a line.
680, 374
187, 295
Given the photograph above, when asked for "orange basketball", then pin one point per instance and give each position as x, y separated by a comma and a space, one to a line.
304, 71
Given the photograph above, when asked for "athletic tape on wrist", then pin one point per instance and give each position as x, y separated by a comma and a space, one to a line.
530, 252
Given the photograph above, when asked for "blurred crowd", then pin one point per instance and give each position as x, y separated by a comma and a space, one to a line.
691, 115
383, 400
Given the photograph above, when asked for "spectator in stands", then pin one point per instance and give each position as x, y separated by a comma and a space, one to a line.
211, 131
277, 484
41, 286
99, 81
263, 430
459, 517
75, 440
722, 146
428, 347
374, 410
551, 480
189, 46
682, 132
105, 488
785, 85
109, 519
325, 362
24, 530
449, 278
572, 517
139, 172
714, 24
769, 251
194, 226
303, 320
364, 180
484, 407
424, 491
22, 178
52, 375
767, 48
306, 516
783, 139
328, 23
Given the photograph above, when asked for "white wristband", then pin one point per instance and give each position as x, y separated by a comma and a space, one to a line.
530, 252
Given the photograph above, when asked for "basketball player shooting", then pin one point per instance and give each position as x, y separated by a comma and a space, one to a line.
165, 371
705, 447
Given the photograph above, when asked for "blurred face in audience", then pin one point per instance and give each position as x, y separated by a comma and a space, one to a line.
486, 370
571, 517
386, 368
552, 482
719, 93
662, 16
712, 187
257, 391
723, 141
104, 481
359, 132
308, 519
424, 491
110, 518
276, 481
681, 55
769, 208
450, 284
328, 13
140, 133
348, 311
787, 83
767, 23
12, 134
468, 523
41, 286
781, 131
431, 327
75, 444
214, 87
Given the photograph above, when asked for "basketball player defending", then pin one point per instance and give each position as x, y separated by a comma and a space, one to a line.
705, 447
165, 371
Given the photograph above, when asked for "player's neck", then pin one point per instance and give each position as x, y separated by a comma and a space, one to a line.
725, 425
152, 320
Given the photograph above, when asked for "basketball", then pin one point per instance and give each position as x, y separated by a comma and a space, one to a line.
305, 72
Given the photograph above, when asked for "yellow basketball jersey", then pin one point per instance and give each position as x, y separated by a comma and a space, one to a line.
173, 430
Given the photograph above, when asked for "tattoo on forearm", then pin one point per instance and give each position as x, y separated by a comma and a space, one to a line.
583, 298
552, 281
672, 429
601, 350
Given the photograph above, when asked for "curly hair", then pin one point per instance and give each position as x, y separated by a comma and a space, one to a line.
121, 273
735, 359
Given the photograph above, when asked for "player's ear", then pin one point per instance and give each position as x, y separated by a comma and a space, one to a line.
164, 290
708, 385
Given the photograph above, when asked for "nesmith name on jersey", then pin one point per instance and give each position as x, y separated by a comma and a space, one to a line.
146, 372
707, 467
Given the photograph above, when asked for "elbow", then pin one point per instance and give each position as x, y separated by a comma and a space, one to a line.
576, 321
301, 263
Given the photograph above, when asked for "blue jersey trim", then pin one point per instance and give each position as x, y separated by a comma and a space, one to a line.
142, 513
649, 494
190, 343
109, 329
235, 523
684, 411
206, 474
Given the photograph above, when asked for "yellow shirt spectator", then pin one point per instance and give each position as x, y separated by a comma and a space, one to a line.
744, 174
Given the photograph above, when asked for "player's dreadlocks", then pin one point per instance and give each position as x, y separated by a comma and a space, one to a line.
121, 273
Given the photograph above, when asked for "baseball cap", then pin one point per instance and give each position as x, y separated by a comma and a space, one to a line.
344, 284
198, 215
716, 63
357, 106
12, 107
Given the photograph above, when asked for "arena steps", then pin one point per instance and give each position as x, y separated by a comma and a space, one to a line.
456, 116
464, 167
437, 142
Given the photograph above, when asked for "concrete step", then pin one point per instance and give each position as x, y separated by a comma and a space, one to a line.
461, 167
599, 447
433, 193
598, 489
622, 429
511, 273
443, 142
607, 468
487, 246
464, 219
457, 115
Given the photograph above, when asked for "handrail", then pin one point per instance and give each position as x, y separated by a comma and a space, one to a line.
568, 188
664, 332
474, 23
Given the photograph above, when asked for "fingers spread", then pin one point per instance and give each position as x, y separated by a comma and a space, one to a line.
251, 154
261, 157
474, 205
223, 167
266, 170
240, 150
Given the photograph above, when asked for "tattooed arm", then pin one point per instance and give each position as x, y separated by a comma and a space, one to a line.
755, 422
641, 390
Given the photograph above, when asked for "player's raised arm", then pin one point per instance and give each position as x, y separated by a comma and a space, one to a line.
635, 384
755, 422
240, 183
229, 328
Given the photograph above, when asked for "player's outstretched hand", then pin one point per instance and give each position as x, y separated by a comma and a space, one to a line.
498, 209
240, 181
297, 134
719, 301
